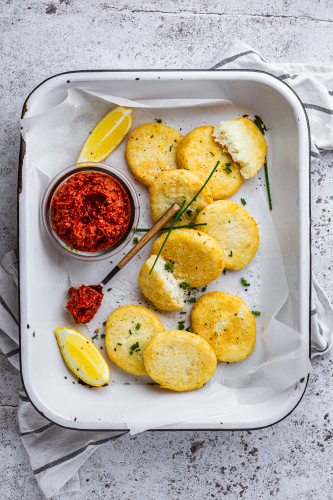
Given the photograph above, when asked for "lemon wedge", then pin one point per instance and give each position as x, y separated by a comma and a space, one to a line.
107, 135
82, 356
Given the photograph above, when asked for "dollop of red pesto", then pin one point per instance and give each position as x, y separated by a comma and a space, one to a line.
85, 302
91, 212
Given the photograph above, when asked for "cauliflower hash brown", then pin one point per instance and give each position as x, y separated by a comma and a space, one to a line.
242, 139
151, 149
199, 153
226, 323
178, 360
196, 257
173, 186
234, 229
161, 287
127, 332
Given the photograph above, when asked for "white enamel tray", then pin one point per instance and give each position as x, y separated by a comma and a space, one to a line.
252, 93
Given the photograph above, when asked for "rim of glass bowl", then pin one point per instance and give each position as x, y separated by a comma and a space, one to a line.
59, 180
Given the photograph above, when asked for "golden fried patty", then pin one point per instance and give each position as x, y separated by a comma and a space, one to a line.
178, 360
151, 149
234, 229
128, 330
196, 257
199, 153
226, 323
242, 139
175, 186
161, 287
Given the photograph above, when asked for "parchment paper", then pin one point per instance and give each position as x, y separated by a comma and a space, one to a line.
280, 358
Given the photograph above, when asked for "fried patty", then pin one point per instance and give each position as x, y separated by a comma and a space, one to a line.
199, 153
242, 139
175, 186
178, 360
235, 230
127, 332
226, 322
196, 257
161, 287
151, 149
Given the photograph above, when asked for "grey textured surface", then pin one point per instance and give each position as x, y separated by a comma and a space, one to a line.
39, 39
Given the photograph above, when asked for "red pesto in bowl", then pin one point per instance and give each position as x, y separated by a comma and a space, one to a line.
91, 212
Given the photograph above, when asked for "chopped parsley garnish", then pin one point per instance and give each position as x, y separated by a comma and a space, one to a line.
216, 334
181, 325
212, 154
186, 168
135, 240
230, 253
138, 350
134, 346
256, 313
168, 267
188, 329
228, 169
158, 120
228, 164
245, 282
130, 332
243, 201
183, 313
189, 213
204, 289
191, 301
111, 262
104, 323
224, 271
131, 353
138, 326
103, 336
94, 337
199, 234
119, 344
184, 285
197, 210
170, 147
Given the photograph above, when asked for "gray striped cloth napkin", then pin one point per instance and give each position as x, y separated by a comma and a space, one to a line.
56, 453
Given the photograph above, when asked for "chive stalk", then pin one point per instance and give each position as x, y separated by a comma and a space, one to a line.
203, 186
259, 125
145, 230
167, 236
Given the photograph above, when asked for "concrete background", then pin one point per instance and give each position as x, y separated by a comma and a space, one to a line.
292, 460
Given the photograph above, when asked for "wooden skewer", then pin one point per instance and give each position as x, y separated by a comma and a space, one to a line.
144, 240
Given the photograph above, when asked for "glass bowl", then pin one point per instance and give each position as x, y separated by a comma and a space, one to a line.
62, 178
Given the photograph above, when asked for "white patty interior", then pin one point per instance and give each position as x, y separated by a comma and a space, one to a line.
170, 282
